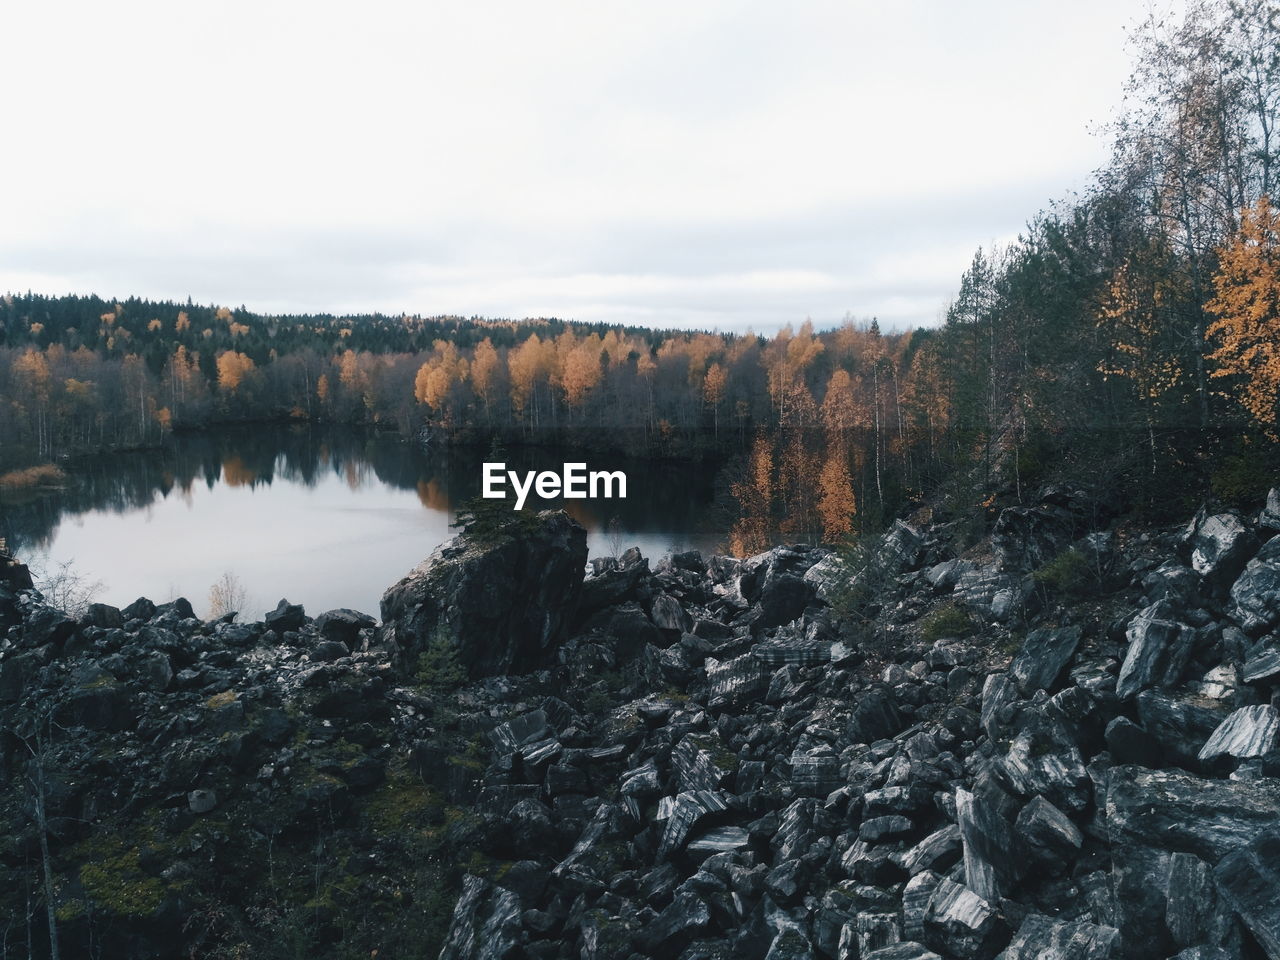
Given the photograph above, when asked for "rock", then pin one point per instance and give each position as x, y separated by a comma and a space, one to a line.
1191, 899
327, 651
202, 801
343, 626
485, 924
1173, 810
1044, 656
875, 717
1269, 518
667, 614
686, 916
992, 593
1040, 938
103, 615
612, 581
286, 616
908, 950
1248, 732
944, 576
718, 840
959, 922
505, 601
1179, 724
1171, 581
1248, 878
937, 852
690, 810
1255, 596
1220, 547
1158, 651
702, 762
1028, 537
991, 850
1263, 665
1047, 832
736, 681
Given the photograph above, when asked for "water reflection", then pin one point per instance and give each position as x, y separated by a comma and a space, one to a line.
325, 517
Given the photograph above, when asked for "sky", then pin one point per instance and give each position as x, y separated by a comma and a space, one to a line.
719, 165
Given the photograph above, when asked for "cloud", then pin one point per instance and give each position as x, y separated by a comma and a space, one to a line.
702, 164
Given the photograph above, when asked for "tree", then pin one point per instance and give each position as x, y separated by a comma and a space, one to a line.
836, 502
1247, 307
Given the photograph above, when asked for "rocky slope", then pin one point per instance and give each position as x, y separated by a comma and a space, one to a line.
1065, 746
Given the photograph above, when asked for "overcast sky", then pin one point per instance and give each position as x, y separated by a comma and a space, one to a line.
703, 164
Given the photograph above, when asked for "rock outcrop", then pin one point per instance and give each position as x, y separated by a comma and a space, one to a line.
504, 599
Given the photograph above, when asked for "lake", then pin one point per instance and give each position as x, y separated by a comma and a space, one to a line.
325, 517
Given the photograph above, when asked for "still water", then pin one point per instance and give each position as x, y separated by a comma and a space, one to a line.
325, 518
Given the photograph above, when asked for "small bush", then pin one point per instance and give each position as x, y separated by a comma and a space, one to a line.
439, 669
949, 621
1069, 574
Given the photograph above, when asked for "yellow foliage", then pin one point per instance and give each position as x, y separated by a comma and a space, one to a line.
1247, 305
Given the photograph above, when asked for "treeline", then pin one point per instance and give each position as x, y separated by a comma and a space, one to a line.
860, 408
1132, 337
1129, 339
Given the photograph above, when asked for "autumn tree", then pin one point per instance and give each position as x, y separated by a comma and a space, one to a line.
1247, 307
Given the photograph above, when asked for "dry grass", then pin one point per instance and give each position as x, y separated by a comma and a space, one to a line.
29, 478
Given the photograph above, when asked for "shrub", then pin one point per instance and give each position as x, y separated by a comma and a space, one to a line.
439, 669
948, 621
1069, 574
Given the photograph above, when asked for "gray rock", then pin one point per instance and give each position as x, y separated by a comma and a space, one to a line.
992, 853
690, 810
485, 924
1173, 810
1044, 656
667, 614
992, 593
1180, 724
202, 801
1269, 518
1255, 596
1047, 832
1191, 899
343, 625
959, 922
1158, 650
1263, 665
1248, 732
908, 950
1028, 537
1040, 938
505, 601
1220, 547
286, 616
1248, 879
685, 917
736, 681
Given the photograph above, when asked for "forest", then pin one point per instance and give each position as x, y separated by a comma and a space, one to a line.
1131, 334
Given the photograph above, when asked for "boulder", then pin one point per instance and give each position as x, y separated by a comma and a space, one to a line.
1158, 650
1248, 879
1044, 656
1028, 537
504, 599
1220, 546
485, 924
1269, 518
1173, 810
1255, 596
1040, 938
343, 625
1248, 732
286, 616
613, 580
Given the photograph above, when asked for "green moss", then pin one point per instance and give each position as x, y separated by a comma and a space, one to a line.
116, 883
219, 700
948, 621
722, 756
